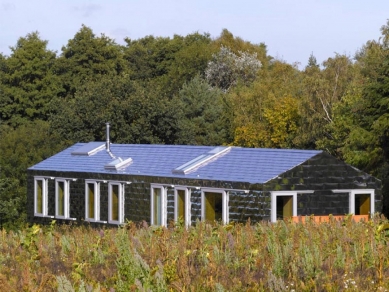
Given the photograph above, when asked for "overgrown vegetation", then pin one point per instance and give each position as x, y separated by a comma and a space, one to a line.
334, 256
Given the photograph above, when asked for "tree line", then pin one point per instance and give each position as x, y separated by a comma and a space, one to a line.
190, 89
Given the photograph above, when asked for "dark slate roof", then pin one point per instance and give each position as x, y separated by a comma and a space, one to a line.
252, 165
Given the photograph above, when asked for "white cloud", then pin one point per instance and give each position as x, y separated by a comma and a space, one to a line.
87, 10
7, 6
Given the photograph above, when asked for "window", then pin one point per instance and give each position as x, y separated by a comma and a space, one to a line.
115, 203
92, 200
158, 205
182, 205
361, 202
40, 196
61, 198
214, 205
283, 205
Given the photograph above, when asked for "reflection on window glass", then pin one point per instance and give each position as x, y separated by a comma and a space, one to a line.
157, 208
39, 196
362, 204
60, 198
284, 207
181, 204
91, 200
213, 206
115, 203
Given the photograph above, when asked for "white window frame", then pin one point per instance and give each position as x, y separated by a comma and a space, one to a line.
354, 192
187, 206
163, 204
96, 215
44, 196
66, 198
225, 203
121, 202
275, 194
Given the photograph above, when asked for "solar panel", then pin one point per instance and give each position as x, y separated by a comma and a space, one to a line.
89, 149
201, 160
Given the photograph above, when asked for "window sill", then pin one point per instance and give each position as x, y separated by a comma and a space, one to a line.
44, 216
115, 222
65, 218
96, 221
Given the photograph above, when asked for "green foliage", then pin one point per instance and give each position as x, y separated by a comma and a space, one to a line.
25, 146
323, 89
190, 60
266, 112
28, 81
86, 57
21, 148
168, 62
133, 272
151, 57
358, 131
30, 240
200, 116
12, 203
138, 114
312, 62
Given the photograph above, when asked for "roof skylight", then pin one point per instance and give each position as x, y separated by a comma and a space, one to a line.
201, 160
118, 164
89, 149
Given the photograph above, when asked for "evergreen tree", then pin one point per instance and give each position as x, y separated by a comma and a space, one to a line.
86, 57
200, 117
28, 81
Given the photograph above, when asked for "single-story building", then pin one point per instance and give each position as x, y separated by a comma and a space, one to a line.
104, 183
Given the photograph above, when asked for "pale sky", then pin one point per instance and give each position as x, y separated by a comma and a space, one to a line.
291, 29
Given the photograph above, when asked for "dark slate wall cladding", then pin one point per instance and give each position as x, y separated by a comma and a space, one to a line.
30, 198
195, 205
323, 203
137, 197
137, 202
253, 205
322, 174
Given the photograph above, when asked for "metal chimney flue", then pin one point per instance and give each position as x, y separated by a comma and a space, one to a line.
107, 143
117, 163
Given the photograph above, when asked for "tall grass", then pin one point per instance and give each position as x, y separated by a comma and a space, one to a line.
334, 256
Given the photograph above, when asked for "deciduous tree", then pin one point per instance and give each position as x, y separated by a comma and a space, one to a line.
21, 148
136, 111
226, 68
265, 113
322, 90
